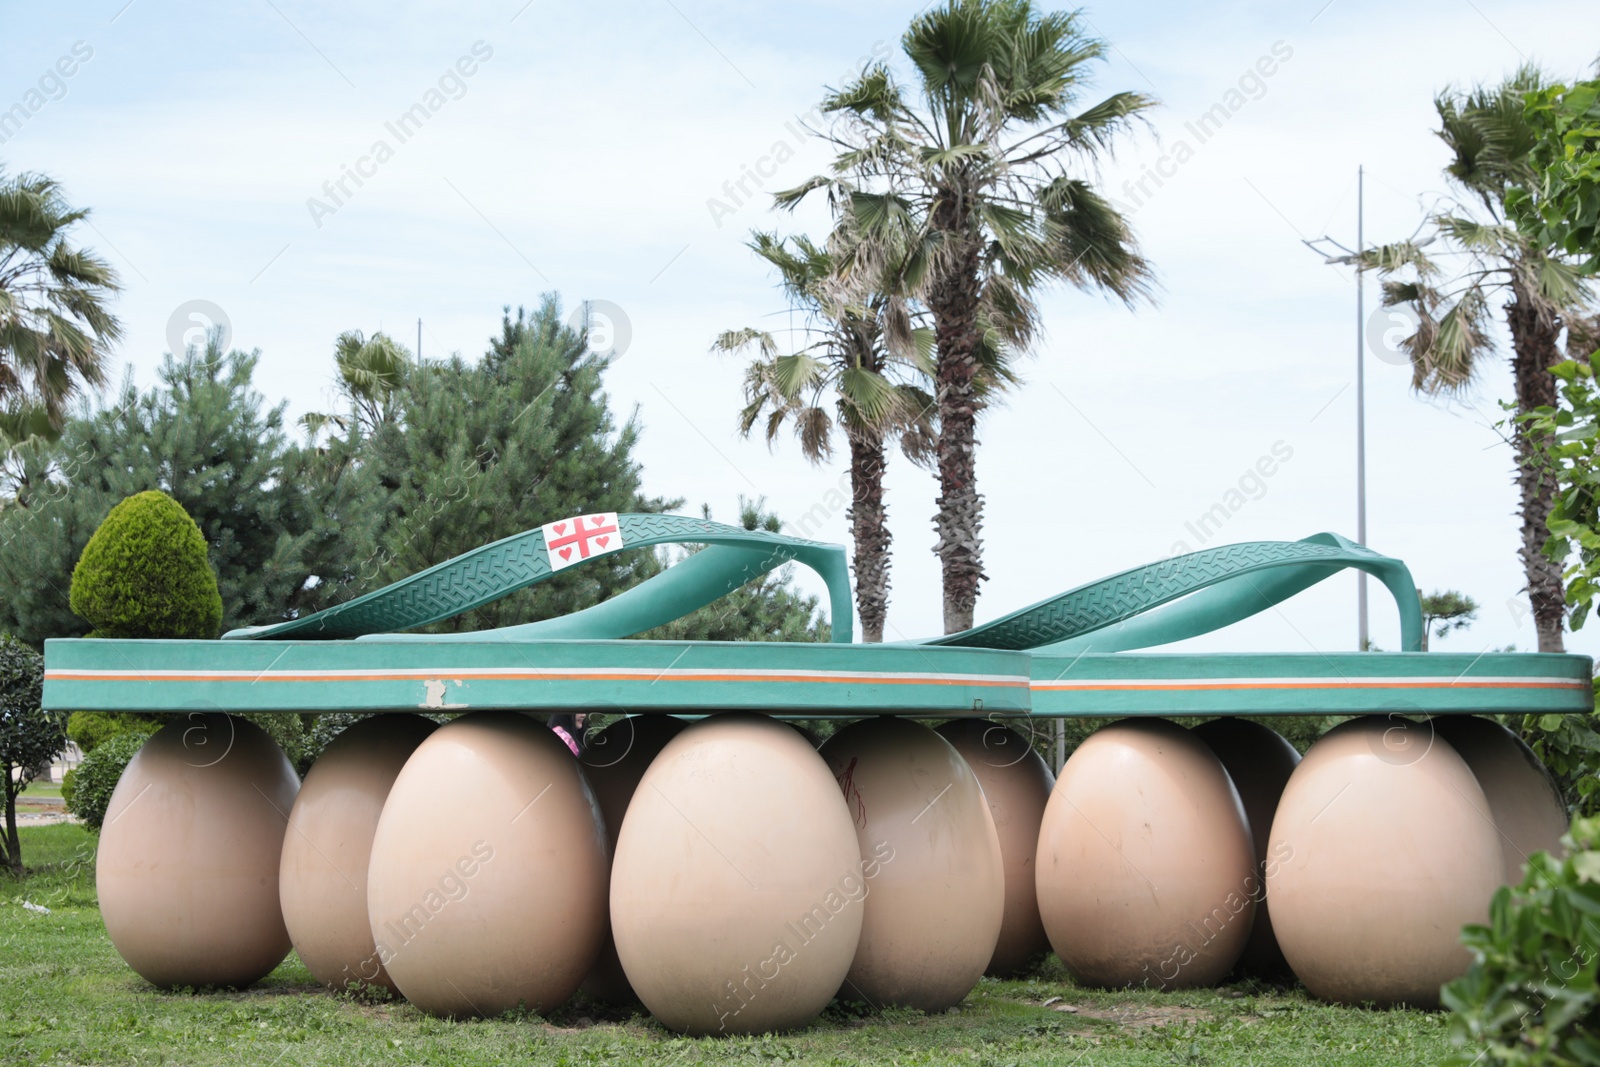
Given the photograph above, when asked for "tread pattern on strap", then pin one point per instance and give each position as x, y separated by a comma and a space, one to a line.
1122, 596
486, 574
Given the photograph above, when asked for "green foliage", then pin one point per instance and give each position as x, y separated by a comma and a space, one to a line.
98, 774
1531, 997
144, 573
1564, 207
1569, 746
1571, 447
29, 735
1445, 612
89, 729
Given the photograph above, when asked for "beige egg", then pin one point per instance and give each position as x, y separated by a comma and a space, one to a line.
322, 879
1145, 860
936, 895
614, 759
736, 887
1524, 802
1017, 785
187, 869
1380, 853
1259, 761
487, 883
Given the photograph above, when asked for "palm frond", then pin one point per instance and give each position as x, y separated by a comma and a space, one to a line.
739, 340
1445, 359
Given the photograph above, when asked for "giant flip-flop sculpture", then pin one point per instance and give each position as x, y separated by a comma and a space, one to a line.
722, 919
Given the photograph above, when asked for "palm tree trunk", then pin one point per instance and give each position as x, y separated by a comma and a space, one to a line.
869, 529
1534, 330
953, 298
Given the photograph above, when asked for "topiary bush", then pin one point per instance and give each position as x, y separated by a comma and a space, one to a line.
98, 774
1531, 997
144, 573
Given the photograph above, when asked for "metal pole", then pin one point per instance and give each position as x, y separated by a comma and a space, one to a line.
1361, 413
419, 342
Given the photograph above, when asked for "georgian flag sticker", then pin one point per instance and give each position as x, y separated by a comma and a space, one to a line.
583, 537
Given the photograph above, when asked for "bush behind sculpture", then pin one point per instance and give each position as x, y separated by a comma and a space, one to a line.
94, 779
144, 573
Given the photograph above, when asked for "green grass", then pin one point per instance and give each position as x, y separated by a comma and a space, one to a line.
65, 997
49, 791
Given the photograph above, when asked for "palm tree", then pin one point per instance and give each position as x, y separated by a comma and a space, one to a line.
978, 162
55, 331
862, 370
1544, 292
371, 371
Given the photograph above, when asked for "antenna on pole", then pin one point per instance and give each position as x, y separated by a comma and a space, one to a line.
1353, 258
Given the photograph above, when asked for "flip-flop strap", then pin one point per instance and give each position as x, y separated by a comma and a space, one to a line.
486, 574
1223, 584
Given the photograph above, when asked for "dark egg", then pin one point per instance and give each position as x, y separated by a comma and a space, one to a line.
1017, 785
1260, 762
322, 878
936, 895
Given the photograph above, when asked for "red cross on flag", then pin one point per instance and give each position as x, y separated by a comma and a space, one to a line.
583, 537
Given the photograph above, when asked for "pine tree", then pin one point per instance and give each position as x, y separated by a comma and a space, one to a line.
483, 451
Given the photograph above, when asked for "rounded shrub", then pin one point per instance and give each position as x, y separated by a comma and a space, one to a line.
94, 779
144, 573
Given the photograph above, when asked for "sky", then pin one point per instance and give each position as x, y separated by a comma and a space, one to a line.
595, 150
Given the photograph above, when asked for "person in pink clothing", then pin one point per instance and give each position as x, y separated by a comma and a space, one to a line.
570, 729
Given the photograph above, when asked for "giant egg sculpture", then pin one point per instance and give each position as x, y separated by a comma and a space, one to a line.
1381, 851
323, 876
1145, 860
487, 884
187, 869
1524, 803
736, 887
1259, 761
614, 760
1017, 785
934, 872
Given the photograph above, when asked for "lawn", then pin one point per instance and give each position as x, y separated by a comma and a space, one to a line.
40, 794
65, 997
